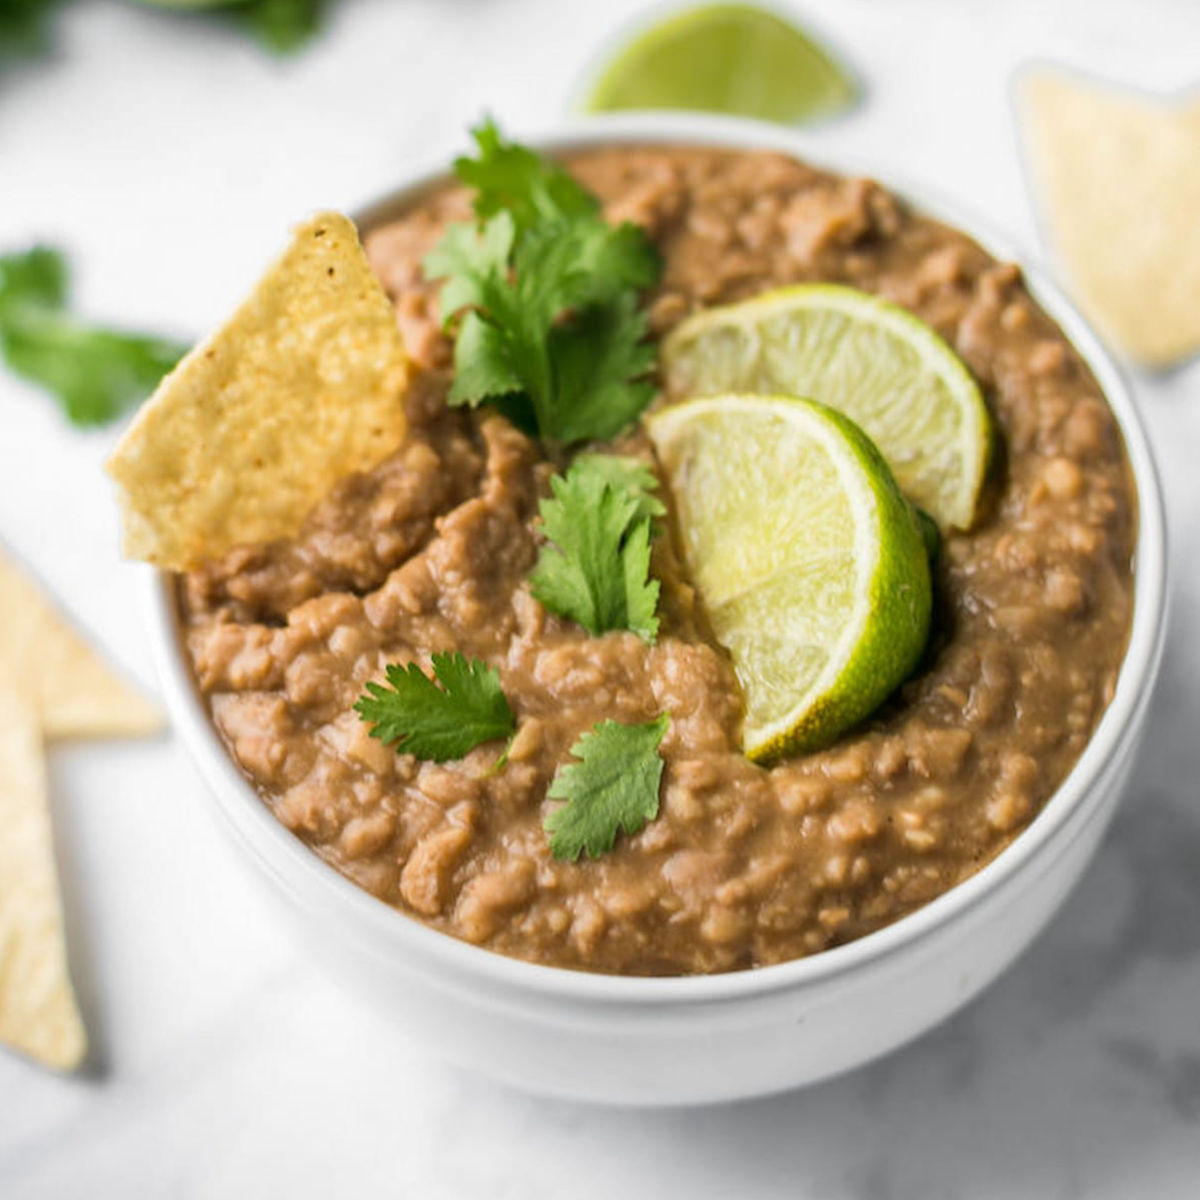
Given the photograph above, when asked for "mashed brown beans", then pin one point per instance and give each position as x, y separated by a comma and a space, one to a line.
744, 866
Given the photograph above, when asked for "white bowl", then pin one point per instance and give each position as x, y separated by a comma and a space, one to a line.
700, 1039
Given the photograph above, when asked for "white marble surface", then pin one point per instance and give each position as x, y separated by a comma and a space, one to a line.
167, 156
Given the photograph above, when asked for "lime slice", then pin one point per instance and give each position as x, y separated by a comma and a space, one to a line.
725, 58
881, 366
809, 562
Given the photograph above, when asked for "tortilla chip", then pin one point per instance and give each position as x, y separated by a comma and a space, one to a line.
38, 1013
1118, 177
300, 388
72, 690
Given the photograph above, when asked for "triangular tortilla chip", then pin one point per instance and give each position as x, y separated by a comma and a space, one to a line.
38, 1013
301, 387
73, 691
1117, 175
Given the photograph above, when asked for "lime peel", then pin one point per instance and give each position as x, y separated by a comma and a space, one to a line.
879, 364
809, 561
737, 59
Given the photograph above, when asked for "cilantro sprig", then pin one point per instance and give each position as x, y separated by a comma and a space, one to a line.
95, 373
509, 177
633, 476
544, 295
614, 786
595, 567
413, 714
23, 27
282, 26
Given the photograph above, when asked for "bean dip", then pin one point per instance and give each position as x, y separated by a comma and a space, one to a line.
744, 866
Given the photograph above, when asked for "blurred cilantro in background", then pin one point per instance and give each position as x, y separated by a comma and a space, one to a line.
96, 373
282, 26
22, 27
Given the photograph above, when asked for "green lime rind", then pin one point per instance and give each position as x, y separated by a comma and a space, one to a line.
735, 59
811, 564
879, 364
891, 639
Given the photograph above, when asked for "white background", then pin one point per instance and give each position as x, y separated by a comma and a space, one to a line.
169, 156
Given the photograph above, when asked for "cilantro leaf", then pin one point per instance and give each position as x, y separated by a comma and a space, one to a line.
23, 27
595, 568
633, 475
39, 276
511, 178
599, 363
614, 786
484, 369
416, 716
561, 329
545, 294
473, 263
96, 373
613, 259
282, 26
641, 592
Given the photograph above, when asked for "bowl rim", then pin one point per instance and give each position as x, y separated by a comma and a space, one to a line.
1063, 816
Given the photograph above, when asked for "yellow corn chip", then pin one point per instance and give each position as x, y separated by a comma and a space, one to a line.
72, 691
301, 387
38, 1014
1118, 177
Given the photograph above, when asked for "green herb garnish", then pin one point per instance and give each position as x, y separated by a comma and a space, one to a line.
614, 786
95, 373
416, 716
283, 26
508, 177
23, 27
596, 567
632, 475
544, 294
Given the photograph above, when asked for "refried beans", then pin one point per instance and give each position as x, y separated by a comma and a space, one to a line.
744, 866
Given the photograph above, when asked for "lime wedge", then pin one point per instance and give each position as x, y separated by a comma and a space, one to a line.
725, 58
811, 565
881, 366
